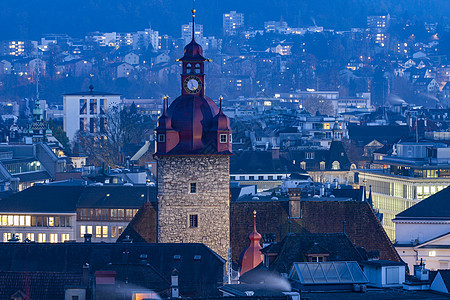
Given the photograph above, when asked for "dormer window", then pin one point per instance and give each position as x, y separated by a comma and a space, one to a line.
161, 138
197, 68
223, 138
188, 68
231, 138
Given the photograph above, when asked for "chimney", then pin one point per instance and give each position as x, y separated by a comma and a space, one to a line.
275, 153
174, 284
86, 274
295, 210
87, 237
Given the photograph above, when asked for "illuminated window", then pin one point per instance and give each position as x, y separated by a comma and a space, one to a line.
65, 237
42, 238
82, 230
30, 236
53, 237
335, 165
113, 231
51, 221
431, 253
6, 237
326, 126
322, 165
98, 231
105, 231
119, 230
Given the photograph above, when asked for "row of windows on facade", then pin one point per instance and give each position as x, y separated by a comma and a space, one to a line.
259, 177
37, 237
93, 107
222, 138
95, 125
101, 231
113, 214
35, 221
407, 191
17, 168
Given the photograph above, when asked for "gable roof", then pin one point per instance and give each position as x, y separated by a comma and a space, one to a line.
294, 247
66, 198
435, 207
196, 276
260, 162
37, 285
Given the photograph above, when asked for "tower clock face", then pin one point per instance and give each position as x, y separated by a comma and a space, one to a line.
192, 84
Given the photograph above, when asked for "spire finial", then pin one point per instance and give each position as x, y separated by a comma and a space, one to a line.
164, 105
254, 220
193, 19
220, 110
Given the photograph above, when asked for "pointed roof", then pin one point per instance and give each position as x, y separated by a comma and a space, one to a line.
252, 256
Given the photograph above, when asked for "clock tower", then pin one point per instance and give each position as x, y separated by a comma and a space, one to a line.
193, 146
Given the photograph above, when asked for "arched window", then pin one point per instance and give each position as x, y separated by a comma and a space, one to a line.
197, 68
188, 68
336, 165
322, 165
352, 167
303, 165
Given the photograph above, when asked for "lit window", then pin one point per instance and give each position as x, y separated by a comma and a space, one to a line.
432, 253
223, 138
82, 230
119, 230
105, 231
42, 238
6, 237
335, 165
193, 221
113, 231
51, 221
53, 237
192, 187
65, 237
30, 236
161, 138
98, 231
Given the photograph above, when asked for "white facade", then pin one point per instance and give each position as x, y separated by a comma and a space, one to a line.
231, 22
87, 111
426, 240
384, 276
186, 32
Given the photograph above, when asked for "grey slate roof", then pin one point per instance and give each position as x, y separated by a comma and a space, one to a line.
260, 162
294, 247
67, 198
199, 276
436, 206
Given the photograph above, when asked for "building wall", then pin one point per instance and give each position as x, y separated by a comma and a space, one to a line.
210, 202
72, 111
393, 194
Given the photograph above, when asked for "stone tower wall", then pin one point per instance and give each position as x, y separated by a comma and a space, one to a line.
211, 202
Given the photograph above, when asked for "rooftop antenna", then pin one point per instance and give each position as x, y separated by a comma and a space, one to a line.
193, 19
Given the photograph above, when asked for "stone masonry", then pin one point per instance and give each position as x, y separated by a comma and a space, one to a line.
211, 202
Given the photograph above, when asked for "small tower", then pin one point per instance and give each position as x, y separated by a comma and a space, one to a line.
252, 256
193, 147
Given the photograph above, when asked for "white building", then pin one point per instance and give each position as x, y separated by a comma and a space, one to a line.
87, 111
142, 39
186, 32
423, 232
231, 22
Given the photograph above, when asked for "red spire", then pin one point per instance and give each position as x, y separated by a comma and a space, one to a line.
252, 256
